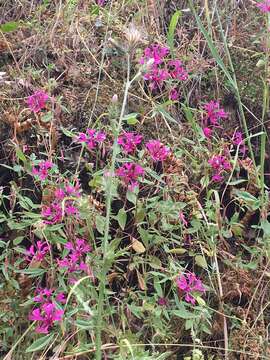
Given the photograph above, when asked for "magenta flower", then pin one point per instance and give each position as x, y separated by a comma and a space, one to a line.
52, 214
214, 113
163, 301
177, 70
37, 253
190, 285
37, 101
207, 132
46, 316
129, 141
220, 165
156, 77
174, 94
157, 150
47, 313
239, 141
130, 172
155, 52
42, 169
74, 261
61, 297
92, 138
63, 205
264, 6
182, 218
43, 295
101, 2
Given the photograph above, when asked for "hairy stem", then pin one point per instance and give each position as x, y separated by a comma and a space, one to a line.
102, 284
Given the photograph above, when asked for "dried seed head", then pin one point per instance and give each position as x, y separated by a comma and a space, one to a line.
133, 36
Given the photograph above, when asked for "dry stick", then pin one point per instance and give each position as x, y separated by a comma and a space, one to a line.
115, 347
11, 52
220, 289
101, 68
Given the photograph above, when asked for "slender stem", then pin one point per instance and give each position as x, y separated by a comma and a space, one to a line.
105, 241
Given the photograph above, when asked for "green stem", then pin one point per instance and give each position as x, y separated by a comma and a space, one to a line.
105, 241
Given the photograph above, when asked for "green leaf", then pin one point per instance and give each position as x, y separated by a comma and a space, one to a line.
67, 132
172, 27
265, 225
183, 313
32, 272
236, 182
244, 195
47, 117
200, 261
132, 196
122, 218
131, 118
100, 224
18, 240
40, 343
9, 26
178, 251
20, 154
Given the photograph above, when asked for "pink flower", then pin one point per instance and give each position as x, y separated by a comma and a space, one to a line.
182, 218
220, 165
47, 313
42, 169
38, 252
61, 297
129, 141
174, 94
239, 141
62, 205
52, 213
177, 70
190, 284
156, 77
264, 6
155, 52
74, 261
46, 316
37, 101
214, 113
91, 138
157, 150
162, 301
43, 295
207, 132
130, 172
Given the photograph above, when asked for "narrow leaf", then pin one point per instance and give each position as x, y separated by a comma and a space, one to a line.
40, 343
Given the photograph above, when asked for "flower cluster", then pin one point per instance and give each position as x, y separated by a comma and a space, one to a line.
190, 285
37, 101
238, 140
63, 204
92, 138
48, 311
74, 261
130, 172
264, 6
219, 165
157, 150
101, 2
42, 169
129, 141
213, 114
162, 69
37, 253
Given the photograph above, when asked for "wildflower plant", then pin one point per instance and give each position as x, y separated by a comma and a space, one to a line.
121, 236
